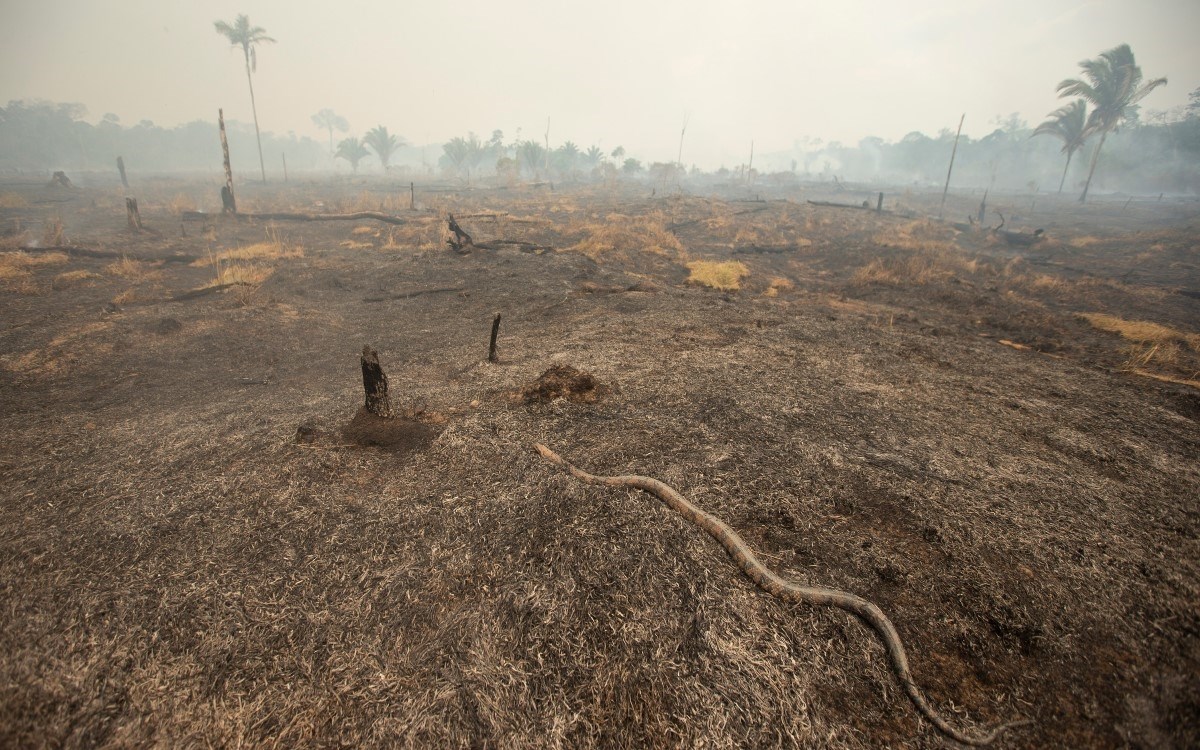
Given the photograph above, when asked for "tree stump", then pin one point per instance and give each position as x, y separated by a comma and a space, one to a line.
375, 385
132, 215
60, 179
121, 169
492, 355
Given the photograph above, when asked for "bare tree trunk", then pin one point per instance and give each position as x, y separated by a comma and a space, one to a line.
254, 109
1063, 181
1092, 171
953, 152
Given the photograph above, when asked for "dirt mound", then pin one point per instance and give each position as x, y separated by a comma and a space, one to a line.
564, 381
397, 433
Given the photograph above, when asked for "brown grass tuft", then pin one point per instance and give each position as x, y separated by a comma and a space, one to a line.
619, 237
779, 284
71, 279
723, 275
919, 235
133, 269
1141, 331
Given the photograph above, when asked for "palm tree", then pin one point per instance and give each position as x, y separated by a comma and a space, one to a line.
383, 144
353, 151
328, 120
1069, 125
1113, 86
242, 34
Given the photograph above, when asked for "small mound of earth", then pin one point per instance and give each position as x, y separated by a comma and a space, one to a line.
397, 433
564, 381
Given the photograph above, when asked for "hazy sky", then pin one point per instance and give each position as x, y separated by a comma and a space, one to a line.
609, 73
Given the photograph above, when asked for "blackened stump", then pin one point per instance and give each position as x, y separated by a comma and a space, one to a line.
375, 385
492, 355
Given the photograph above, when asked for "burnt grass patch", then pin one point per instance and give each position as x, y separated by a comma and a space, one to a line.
197, 548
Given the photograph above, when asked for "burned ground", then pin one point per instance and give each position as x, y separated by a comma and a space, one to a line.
980, 438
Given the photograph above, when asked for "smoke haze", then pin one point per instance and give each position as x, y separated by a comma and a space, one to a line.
614, 74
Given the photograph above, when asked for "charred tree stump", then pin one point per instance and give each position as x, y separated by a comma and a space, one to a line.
375, 385
60, 179
879, 204
461, 241
229, 205
131, 214
492, 355
412, 196
121, 169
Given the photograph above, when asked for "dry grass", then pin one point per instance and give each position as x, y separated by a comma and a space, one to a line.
17, 270
355, 245
924, 235
134, 270
180, 203
777, 285
918, 268
1141, 331
53, 234
619, 237
19, 264
276, 247
1152, 344
249, 274
723, 275
13, 200
357, 231
71, 279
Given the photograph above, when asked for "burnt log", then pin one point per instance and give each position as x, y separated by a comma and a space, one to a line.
461, 241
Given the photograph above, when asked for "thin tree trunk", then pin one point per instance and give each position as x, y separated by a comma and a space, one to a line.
1063, 181
1092, 171
953, 152
254, 109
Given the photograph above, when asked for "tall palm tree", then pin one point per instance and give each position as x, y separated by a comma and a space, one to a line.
1113, 86
353, 151
328, 119
383, 144
242, 34
1068, 124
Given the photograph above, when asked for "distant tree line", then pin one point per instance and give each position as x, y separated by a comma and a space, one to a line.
41, 136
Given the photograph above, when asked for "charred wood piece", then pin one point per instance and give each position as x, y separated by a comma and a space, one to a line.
461, 241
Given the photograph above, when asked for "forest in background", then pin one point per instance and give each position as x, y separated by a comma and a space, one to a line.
1157, 152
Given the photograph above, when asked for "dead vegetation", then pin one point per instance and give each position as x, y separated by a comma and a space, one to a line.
184, 567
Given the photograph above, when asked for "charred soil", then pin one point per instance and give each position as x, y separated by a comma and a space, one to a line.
201, 543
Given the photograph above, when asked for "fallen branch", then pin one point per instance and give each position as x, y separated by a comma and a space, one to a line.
788, 591
766, 249
831, 204
204, 291
85, 252
414, 293
288, 216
